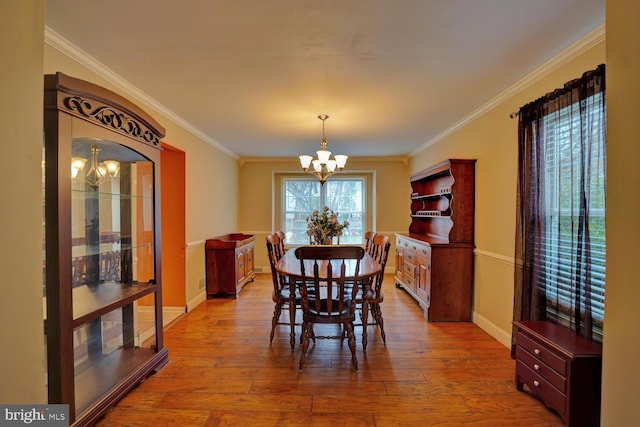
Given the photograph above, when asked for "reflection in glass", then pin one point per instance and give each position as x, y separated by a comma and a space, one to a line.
112, 214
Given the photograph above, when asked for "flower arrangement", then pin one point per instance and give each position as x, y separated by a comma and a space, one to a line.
323, 226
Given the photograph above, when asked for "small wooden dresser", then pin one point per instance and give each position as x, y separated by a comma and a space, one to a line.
561, 368
229, 262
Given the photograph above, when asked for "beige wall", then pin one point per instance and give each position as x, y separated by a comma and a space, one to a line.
21, 311
255, 214
621, 370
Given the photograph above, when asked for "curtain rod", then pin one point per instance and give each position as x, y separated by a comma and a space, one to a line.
514, 114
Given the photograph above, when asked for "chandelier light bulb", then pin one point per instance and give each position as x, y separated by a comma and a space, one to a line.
323, 156
77, 164
113, 167
305, 161
341, 160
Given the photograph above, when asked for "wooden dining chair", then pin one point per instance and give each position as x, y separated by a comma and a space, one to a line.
281, 234
283, 295
374, 295
325, 294
368, 241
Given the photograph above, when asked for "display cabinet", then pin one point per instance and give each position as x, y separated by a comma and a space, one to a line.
103, 318
434, 261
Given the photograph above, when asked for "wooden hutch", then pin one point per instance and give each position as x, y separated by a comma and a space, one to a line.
434, 261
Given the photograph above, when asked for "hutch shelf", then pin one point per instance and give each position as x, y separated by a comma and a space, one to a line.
434, 260
101, 249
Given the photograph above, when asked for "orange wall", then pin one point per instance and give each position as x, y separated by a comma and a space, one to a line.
173, 226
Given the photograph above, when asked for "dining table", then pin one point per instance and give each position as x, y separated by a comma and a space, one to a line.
289, 266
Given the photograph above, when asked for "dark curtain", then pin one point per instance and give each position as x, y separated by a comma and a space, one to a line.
535, 232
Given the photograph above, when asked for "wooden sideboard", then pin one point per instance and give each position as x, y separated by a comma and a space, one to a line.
562, 369
230, 263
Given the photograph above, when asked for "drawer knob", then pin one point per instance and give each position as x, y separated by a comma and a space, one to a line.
536, 383
536, 351
536, 366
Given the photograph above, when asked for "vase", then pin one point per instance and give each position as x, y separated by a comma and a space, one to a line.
327, 241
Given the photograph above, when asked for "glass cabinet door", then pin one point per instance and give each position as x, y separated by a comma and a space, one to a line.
112, 253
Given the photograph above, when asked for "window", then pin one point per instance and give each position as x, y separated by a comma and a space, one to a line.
560, 233
570, 205
301, 196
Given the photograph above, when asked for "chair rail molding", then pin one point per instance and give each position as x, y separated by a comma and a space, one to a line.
511, 261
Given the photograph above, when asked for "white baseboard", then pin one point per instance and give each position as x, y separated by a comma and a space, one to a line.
500, 335
174, 310
199, 299
165, 309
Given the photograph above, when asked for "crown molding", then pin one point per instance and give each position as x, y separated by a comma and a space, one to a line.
352, 159
579, 47
67, 48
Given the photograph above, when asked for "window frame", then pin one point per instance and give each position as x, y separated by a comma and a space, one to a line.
368, 180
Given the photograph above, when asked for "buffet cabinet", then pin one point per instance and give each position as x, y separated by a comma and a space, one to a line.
561, 368
434, 261
101, 250
230, 263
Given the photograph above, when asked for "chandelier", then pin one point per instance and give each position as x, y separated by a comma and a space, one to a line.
323, 167
98, 172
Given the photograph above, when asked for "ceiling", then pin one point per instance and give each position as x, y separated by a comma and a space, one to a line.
252, 76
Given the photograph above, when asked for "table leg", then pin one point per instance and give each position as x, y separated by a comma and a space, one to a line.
292, 311
366, 287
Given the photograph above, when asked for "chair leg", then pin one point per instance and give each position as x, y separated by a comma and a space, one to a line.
352, 344
292, 324
365, 320
377, 310
307, 333
274, 321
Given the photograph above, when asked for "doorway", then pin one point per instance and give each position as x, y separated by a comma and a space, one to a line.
172, 201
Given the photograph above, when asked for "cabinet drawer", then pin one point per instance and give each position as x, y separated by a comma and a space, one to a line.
409, 270
402, 243
410, 282
551, 396
543, 353
542, 369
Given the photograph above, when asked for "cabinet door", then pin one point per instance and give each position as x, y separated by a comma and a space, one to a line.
249, 261
399, 273
240, 265
112, 265
423, 282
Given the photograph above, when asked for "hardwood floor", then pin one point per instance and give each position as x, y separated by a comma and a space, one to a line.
223, 372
